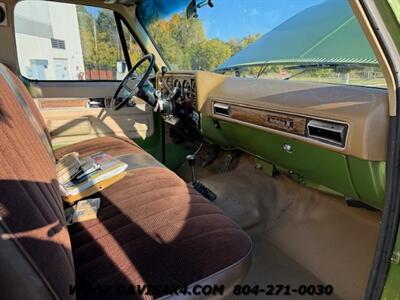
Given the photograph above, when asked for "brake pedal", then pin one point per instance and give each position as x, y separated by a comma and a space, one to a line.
211, 157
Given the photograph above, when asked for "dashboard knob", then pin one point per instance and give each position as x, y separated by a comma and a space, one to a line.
164, 70
157, 93
288, 148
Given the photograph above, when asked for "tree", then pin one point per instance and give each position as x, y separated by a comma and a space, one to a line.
85, 21
99, 39
183, 42
210, 54
237, 45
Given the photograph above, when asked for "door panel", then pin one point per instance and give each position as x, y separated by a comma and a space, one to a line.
73, 89
71, 120
68, 82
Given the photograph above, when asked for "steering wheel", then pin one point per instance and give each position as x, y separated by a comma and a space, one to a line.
124, 92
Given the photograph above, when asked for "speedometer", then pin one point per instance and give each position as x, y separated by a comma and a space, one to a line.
193, 87
170, 83
178, 84
187, 90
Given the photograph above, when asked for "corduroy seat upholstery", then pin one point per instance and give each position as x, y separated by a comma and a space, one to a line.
152, 228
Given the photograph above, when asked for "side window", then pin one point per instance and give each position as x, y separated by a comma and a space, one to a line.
61, 41
135, 52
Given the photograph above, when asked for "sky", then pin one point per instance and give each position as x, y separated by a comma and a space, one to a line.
230, 19
93, 10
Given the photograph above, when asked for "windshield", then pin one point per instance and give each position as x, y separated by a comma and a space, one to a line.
313, 40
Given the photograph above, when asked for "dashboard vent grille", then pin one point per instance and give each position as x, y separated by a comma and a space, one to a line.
221, 109
331, 133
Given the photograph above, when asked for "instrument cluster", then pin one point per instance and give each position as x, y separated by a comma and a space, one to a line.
185, 83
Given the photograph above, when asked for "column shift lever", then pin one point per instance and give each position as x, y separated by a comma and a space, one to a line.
191, 159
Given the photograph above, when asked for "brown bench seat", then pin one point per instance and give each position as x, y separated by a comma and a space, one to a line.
152, 228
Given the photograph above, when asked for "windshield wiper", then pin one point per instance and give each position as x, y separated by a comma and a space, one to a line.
344, 68
307, 67
262, 70
340, 68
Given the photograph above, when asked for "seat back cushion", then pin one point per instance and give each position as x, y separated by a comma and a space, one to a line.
30, 202
31, 110
19, 85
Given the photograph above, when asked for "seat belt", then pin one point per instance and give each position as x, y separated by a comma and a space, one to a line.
28, 112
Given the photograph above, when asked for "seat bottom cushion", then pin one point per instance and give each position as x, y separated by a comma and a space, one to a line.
155, 230
114, 146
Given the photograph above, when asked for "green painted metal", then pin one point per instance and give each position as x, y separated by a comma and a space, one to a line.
265, 166
337, 38
369, 178
395, 6
306, 182
322, 188
328, 171
389, 11
392, 290
327, 167
175, 155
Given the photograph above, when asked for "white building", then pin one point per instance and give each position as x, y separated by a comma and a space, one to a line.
48, 41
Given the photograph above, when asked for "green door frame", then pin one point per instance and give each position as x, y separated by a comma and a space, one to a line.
385, 272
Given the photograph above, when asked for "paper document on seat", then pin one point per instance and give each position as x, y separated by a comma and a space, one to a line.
82, 211
67, 167
108, 167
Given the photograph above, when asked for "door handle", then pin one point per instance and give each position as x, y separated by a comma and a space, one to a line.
96, 103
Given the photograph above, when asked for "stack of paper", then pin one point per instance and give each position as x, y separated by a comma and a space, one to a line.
96, 172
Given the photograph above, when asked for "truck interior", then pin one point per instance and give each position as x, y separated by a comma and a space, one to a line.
235, 176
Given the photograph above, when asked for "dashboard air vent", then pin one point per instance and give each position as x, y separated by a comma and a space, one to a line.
221, 109
331, 133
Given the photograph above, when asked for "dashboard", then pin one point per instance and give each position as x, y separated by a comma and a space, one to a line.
330, 135
346, 119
